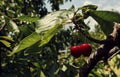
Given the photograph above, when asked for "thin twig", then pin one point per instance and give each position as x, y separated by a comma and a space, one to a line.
114, 53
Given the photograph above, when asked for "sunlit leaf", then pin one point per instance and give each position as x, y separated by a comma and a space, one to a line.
49, 34
89, 7
85, 9
50, 20
28, 18
95, 73
106, 19
64, 68
6, 43
36, 64
50, 25
14, 26
6, 38
42, 74
26, 42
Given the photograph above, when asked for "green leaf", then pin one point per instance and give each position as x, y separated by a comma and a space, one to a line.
6, 38
28, 18
58, 18
42, 74
14, 26
51, 24
49, 34
34, 49
50, 20
90, 7
95, 73
108, 15
7, 44
26, 42
85, 9
36, 64
27, 30
64, 68
106, 19
1, 3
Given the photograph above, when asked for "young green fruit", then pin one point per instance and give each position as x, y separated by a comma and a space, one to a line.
85, 49
75, 51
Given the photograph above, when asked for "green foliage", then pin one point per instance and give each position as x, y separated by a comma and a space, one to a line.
106, 19
34, 37
6, 42
103, 18
85, 10
51, 19
89, 7
49, 34
26, 42
33, 47
28, 18
6, 38
14, 26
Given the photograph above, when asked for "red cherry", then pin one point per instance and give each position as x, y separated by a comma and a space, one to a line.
75, 51
85, 49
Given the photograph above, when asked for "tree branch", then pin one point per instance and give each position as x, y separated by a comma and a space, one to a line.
102, 52
113, 52
95, 58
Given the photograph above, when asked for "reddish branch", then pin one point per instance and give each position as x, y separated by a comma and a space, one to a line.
102, 52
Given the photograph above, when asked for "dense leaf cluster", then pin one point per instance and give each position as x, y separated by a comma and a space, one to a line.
34, 47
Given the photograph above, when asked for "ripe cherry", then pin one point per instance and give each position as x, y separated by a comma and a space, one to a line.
75, 51
85, 49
